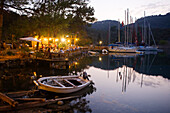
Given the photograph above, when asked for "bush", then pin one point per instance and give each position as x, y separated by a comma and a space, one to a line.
163, 42
10, 53
39, 54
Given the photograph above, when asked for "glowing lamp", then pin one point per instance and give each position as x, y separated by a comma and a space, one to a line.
56, 39
100, 59
100, 42
63, 39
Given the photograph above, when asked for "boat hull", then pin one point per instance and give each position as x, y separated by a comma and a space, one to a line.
62, 90
148, 48
124, 50
56, 89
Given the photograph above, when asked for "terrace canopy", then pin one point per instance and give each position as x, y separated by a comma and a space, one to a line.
30, 39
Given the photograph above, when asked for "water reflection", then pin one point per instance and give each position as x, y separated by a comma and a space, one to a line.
149, 64
130, 84
80, 104
135, 83
15, 80
127, 75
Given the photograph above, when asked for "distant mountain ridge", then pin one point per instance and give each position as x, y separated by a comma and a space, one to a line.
160, 26
157, 21
104, 25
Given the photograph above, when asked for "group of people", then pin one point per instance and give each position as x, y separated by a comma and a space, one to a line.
3, 45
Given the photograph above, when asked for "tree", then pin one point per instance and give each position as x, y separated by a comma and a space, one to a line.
64, 16
51, 17
17, 5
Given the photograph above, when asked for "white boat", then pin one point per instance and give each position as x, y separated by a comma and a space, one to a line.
93, 53
62, 84
126, 48
124, 55
147, 38
123, 49
148, 48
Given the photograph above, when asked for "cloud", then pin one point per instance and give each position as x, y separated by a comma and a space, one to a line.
157, 8
151, 9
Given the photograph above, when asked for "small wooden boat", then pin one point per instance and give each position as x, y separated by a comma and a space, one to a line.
93, 53
62, 84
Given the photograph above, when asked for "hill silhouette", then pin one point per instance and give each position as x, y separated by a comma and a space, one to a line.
160, 26
157, 21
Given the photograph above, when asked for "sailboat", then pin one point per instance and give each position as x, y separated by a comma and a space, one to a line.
148, 47
126, 48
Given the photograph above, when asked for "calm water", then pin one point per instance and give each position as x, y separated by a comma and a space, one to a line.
123, 83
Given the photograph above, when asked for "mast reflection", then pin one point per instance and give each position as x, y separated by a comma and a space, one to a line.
129, 65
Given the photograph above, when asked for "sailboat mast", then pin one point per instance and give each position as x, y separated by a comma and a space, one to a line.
153, 38
109, 35
136, 42
136, 26
118, 30
127, 25
125, 28
144, 36
149, 33
131, 30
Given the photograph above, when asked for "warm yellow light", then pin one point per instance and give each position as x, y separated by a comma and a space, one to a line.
56, 39
50, 38
100, 42
76, 63
67, 35
68, 41
35, 74
100, 58
63, 39
76, 39
36, 37
45, 39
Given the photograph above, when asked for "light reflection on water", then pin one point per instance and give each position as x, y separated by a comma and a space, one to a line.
126, 85
144, 94
131, 84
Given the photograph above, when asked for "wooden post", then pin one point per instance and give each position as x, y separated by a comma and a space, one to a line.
31, 99
9, 100
35, 104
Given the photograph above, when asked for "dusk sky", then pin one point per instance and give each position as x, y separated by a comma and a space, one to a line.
115, 9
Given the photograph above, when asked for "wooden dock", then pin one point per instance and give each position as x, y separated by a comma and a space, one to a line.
15, 104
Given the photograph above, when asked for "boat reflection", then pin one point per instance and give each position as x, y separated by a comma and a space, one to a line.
126, 75
124, 55
82, 93
148, 64
79, 104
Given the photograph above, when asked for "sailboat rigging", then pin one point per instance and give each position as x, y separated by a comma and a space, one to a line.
126, 48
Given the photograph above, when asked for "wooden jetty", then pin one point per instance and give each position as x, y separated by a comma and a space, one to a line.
9, 100
55, 60
14, 103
